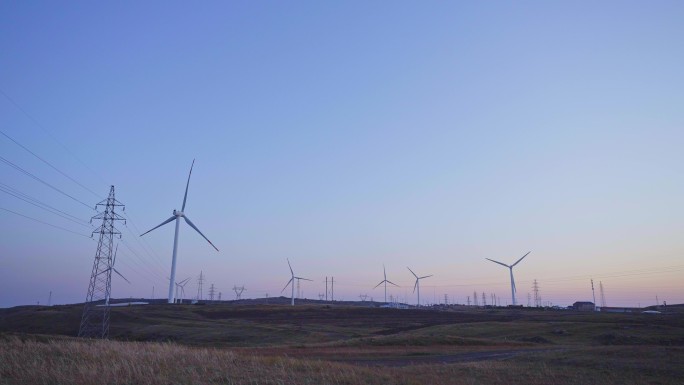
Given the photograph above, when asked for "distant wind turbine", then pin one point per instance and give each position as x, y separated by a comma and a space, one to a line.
181, 285
385, 281
177, 215
417, 285
513, 290
291, 281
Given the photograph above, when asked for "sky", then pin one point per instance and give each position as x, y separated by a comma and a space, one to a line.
343, 136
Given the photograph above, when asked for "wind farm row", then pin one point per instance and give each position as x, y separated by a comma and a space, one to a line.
177, 288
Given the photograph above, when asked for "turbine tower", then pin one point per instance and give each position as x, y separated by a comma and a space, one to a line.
385, 281
417, 285
291, 281
177, 215
510, 267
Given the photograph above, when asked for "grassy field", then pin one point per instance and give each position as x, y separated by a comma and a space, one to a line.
318, 344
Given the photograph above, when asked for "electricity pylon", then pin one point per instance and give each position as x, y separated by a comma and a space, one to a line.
95, 319
238, 291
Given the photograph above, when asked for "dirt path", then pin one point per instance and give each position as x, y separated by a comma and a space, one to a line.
443, 358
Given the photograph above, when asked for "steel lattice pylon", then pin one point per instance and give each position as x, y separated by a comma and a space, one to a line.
95, 319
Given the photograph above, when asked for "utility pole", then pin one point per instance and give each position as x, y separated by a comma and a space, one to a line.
446, 299
219, 296
200, 282
363, 297
50, 299
484, 299
332, 289
95, 319
468, 300
537, 297
475, 299
211, 292
529, 300
326, 288
593, 293
152, 291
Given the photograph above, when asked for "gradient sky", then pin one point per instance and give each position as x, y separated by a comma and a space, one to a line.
345, 135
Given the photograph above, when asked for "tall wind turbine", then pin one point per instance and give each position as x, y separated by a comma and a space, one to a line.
417, 285
177, 215
513, 290
291, 281
385, 281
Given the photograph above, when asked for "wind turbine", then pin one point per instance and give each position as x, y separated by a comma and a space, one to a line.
513, 290
291, 281
177, 215
181, 285
417, 285
385, 281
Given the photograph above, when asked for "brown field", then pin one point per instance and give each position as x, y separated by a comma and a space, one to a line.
321, 344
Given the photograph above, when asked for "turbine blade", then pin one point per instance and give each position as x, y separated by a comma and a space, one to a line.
502, 264
162, 224
427, 276
304, 279
520, 259
288, 284
181, 283
288, 264
188, 221
379, 284
393, 283
415, 286
384, 272
414, 274
515, 290
120, 275
185, 198
115, 252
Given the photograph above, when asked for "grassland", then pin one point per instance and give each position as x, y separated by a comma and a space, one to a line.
313, 344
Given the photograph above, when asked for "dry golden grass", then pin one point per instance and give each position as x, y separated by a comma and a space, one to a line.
73, 361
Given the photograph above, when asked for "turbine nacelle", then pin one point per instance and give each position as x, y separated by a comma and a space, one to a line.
178, 213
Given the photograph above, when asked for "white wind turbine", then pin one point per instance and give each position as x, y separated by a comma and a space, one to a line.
291, 281
513, 290
417, 285
181, 285
385, 281
177, 215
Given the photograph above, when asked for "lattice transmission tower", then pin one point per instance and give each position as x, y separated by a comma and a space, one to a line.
95, 319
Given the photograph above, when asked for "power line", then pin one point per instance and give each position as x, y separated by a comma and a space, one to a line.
153, 255
43, 206
136, 237
27, 173
151, 269
48, 133
50, 164
45, 223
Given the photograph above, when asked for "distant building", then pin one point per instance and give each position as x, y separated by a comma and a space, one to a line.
584, 306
